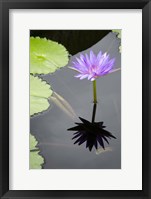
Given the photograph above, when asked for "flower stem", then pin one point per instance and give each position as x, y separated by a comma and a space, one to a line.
94, 112
94, 101
94, 92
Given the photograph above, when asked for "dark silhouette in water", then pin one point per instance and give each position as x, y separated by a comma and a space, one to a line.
93, 133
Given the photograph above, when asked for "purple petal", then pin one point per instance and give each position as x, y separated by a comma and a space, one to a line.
92, 79
82, 57
114, 70
78, 76
92, 57
104, 60
83, 76
74, 68
90, 76
79, 68
88, 63
80, 62
99, 56
108, 66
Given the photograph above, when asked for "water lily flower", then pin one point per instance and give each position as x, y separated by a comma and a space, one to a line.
93, 133
93, 66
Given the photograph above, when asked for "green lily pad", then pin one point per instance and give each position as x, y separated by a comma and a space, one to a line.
32, 142
46, 56
118, 31
35, 159
40, 91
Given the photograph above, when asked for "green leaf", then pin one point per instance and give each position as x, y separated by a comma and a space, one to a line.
32, 142
46, 56
40, 91
118, 33
35, 159
119, 36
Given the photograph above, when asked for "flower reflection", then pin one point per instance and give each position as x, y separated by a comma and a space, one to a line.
93, 133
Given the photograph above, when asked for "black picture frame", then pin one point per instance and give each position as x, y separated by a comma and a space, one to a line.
5, 5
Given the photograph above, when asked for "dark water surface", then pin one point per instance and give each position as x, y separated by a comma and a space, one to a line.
74, 40
50, 128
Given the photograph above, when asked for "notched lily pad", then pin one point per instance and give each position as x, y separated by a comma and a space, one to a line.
40, 91
35, 160
32, 143
118, 32
46, 56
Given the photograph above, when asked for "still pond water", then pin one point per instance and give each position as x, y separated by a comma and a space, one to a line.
50, 128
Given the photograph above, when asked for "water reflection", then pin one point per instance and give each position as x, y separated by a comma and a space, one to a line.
93, 133
100, 150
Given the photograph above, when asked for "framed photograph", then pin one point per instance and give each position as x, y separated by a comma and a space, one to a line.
75, 99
